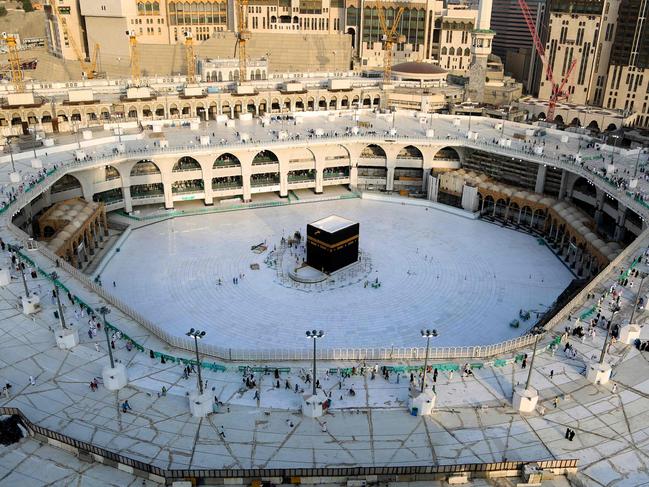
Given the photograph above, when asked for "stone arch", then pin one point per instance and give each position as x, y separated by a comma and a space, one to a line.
448, 153
111, 172
352, 32
575, 122
66, 183
611, 127
373, 151
410, 152
299, 104
226, 110
251, 106
542, 116
226, 160
333, 103
584, 186
344, 102
186, 163
558, 119
322, 103
593, 125
265, 157
144, 167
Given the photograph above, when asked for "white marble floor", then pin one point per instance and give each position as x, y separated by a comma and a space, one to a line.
466, 278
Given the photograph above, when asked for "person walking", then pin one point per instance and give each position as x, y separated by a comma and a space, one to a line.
31, 380
126, 406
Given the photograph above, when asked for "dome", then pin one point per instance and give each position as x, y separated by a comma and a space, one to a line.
418, 71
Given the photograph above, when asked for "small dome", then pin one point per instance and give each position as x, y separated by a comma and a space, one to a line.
416, 67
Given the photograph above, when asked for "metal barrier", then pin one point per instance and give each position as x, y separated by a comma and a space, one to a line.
256, 473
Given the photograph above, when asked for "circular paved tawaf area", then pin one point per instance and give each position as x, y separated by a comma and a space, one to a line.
466, 278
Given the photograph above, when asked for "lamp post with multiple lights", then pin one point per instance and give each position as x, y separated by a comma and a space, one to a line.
314, 335
54, 276
196, 334
427, 334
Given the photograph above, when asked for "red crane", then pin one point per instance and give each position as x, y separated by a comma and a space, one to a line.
559, 91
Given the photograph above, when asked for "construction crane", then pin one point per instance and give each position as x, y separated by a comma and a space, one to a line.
243, 35
190, 57
17, 77
135, 57
390, 37
89, 69
559, 91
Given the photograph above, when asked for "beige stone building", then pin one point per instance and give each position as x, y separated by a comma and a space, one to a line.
583, 31
432, 31
58, 42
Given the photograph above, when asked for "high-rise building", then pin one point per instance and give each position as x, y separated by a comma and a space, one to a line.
513, 42
627, 86
581, 30
62, 41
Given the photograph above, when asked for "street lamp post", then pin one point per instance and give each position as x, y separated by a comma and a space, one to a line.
11, 155
16, 249
529, 374
637, 163
637, 298
314, 334
196, 334
427, 334
103, 311
54, 277
608, 332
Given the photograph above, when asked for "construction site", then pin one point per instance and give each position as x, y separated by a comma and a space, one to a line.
71, 81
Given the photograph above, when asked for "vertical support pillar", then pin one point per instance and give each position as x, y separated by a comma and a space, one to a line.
319, 180
540, 179
389, 181
128, 202
283, 182
169, 202
563, 187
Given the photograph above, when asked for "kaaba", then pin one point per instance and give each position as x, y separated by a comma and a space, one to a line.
331, 243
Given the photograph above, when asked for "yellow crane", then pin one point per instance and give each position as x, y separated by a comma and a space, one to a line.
89, 69
135, 57
17, 77
190, 58
390, 37
243, 35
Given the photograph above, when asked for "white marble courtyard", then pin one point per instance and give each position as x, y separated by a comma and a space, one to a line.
466, 278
